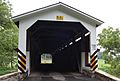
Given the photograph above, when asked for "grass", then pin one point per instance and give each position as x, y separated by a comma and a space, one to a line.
102, 65
5, 70
107, 68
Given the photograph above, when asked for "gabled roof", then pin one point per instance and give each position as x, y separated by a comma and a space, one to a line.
60, 5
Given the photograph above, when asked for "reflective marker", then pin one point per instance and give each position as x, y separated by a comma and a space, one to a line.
77, 39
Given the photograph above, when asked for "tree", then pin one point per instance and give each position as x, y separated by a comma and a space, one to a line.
109, 39
8, 43
8, 35
5, 14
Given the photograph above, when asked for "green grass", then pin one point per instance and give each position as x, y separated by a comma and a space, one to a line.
5, 70
102, 65
106, 67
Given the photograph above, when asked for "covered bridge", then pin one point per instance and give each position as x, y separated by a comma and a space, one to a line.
57, 37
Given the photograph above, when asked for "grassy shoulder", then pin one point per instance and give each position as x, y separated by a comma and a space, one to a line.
107, 68
103, 65
5, 70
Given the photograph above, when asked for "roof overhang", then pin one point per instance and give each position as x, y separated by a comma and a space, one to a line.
61, 6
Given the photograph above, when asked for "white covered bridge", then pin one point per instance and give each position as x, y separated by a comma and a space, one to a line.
56, 38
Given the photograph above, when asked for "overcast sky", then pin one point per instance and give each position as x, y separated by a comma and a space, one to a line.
105, 10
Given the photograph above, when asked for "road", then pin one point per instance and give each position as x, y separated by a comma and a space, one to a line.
56, 76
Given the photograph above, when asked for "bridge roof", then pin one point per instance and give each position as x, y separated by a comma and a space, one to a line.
64, 7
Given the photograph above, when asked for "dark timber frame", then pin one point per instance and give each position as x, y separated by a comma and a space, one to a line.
59, 39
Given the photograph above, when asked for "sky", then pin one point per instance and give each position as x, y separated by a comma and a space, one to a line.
105, 10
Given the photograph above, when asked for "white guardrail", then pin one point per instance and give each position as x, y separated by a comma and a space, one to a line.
8, 76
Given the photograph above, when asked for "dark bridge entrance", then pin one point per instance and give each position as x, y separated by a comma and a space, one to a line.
63, 42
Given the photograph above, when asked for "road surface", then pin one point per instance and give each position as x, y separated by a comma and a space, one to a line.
56, 76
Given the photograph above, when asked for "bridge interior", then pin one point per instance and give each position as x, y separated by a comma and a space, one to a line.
63, 40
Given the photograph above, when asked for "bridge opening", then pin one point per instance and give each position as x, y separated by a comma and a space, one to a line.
46, 59
57, 45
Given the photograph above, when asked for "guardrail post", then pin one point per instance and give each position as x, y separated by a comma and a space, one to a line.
22, 64
93, 62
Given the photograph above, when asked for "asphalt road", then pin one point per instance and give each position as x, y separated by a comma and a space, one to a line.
56, 76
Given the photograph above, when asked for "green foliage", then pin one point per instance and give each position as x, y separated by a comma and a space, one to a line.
109, 68
8, 37
102, 64
109, 39
5, 14
4, 70
106, 57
